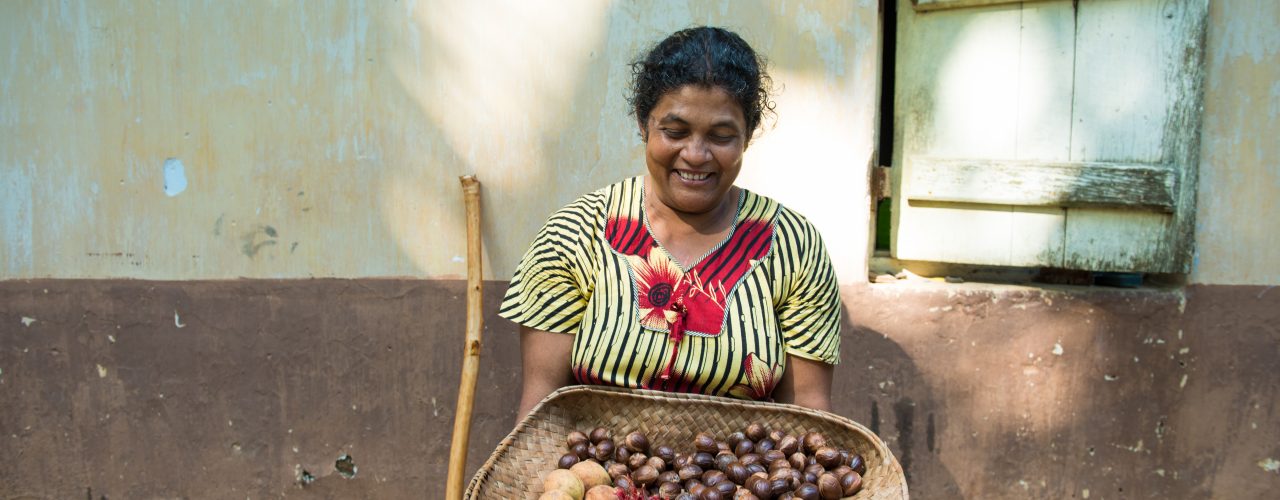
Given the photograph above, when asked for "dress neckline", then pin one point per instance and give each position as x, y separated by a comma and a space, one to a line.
733, 228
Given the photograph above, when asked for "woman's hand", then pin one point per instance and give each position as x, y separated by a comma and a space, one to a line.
545, 357
806, 383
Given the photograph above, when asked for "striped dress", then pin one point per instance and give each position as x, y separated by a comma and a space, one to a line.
722, 327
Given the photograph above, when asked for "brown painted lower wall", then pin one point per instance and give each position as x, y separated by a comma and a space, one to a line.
229, 389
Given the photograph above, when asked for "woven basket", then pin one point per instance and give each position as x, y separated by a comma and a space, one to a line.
524, 457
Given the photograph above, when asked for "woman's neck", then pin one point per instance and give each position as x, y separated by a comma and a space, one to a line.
677, 223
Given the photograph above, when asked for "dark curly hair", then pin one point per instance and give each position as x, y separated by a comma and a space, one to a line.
707, 57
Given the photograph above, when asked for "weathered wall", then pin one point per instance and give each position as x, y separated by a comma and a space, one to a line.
342, 127
1240, 167
325, 138
229, 389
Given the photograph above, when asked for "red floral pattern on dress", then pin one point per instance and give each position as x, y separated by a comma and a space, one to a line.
761, 379
660, 285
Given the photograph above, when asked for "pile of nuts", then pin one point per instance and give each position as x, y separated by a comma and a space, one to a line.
756, 464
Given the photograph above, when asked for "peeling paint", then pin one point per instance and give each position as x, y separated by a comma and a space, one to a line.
175, 177
27, 321
1269, 464
178, 321
102, 371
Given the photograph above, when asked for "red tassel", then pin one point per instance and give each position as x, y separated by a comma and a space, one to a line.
676, 335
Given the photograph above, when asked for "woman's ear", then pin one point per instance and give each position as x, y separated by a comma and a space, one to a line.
644, 130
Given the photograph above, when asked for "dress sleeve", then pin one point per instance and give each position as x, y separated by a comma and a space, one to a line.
551, 288
809, 314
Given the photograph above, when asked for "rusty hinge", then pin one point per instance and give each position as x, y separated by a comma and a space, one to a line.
881, 183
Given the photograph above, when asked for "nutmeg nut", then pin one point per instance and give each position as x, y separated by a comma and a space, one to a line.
850, 483
827, 457
576, 437
829, 487
599, 434
788, 445
645, 475
756, 431
665, 453
704, 443
637, 441
813, 441
567, 460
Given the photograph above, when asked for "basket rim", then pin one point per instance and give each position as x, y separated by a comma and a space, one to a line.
887, 458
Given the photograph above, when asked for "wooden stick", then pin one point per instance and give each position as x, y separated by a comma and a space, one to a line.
471, 349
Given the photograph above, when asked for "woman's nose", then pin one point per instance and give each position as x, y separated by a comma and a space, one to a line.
696, 152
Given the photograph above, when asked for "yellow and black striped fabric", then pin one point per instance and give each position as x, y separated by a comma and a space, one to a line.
722, 327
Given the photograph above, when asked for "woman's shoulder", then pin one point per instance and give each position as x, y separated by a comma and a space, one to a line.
595, 206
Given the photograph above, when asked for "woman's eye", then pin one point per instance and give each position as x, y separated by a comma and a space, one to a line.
674, 134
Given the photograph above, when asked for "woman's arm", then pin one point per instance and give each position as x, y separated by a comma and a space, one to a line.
545, 357
806, 383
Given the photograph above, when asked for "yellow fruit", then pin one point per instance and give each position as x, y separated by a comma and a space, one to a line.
563, 480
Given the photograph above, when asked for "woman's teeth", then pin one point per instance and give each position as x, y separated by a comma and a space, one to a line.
691, 176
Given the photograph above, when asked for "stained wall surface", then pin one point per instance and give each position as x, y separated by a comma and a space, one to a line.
193, 140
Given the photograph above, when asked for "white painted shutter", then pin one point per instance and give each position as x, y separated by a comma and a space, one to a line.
1048, 133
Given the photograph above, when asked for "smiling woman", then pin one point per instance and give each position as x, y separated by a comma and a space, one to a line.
677, 279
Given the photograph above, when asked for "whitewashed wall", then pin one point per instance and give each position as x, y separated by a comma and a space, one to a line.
325, 138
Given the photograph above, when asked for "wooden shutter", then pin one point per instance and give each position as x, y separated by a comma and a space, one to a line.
1050, 133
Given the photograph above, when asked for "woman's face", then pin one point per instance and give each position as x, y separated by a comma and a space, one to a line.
693, 149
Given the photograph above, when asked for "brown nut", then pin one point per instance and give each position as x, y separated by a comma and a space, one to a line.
841, 470
772, 455
622, 454
637, 460
735, 438
765, 445
689, 472
724, 459
694, 486
704, 443
751, 458
829, 487
760, 488
624, 482
779, 486
604, 451
616, 470
776, 435
783, 473
807, 491
665, 453
756, 431
858, 465
711, 494
737, 472
576, 437
788, 445
813, 441
744, 494
850, 483
657, 463
636, 441
582, 450
599, 434
684, 495
681, 460
668, 476
711, 477
668, 490
704, 460
778, 464
645, 475
757, 468
744, 447
797, 460
568, 460
722, 446
726, 488
827, 457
